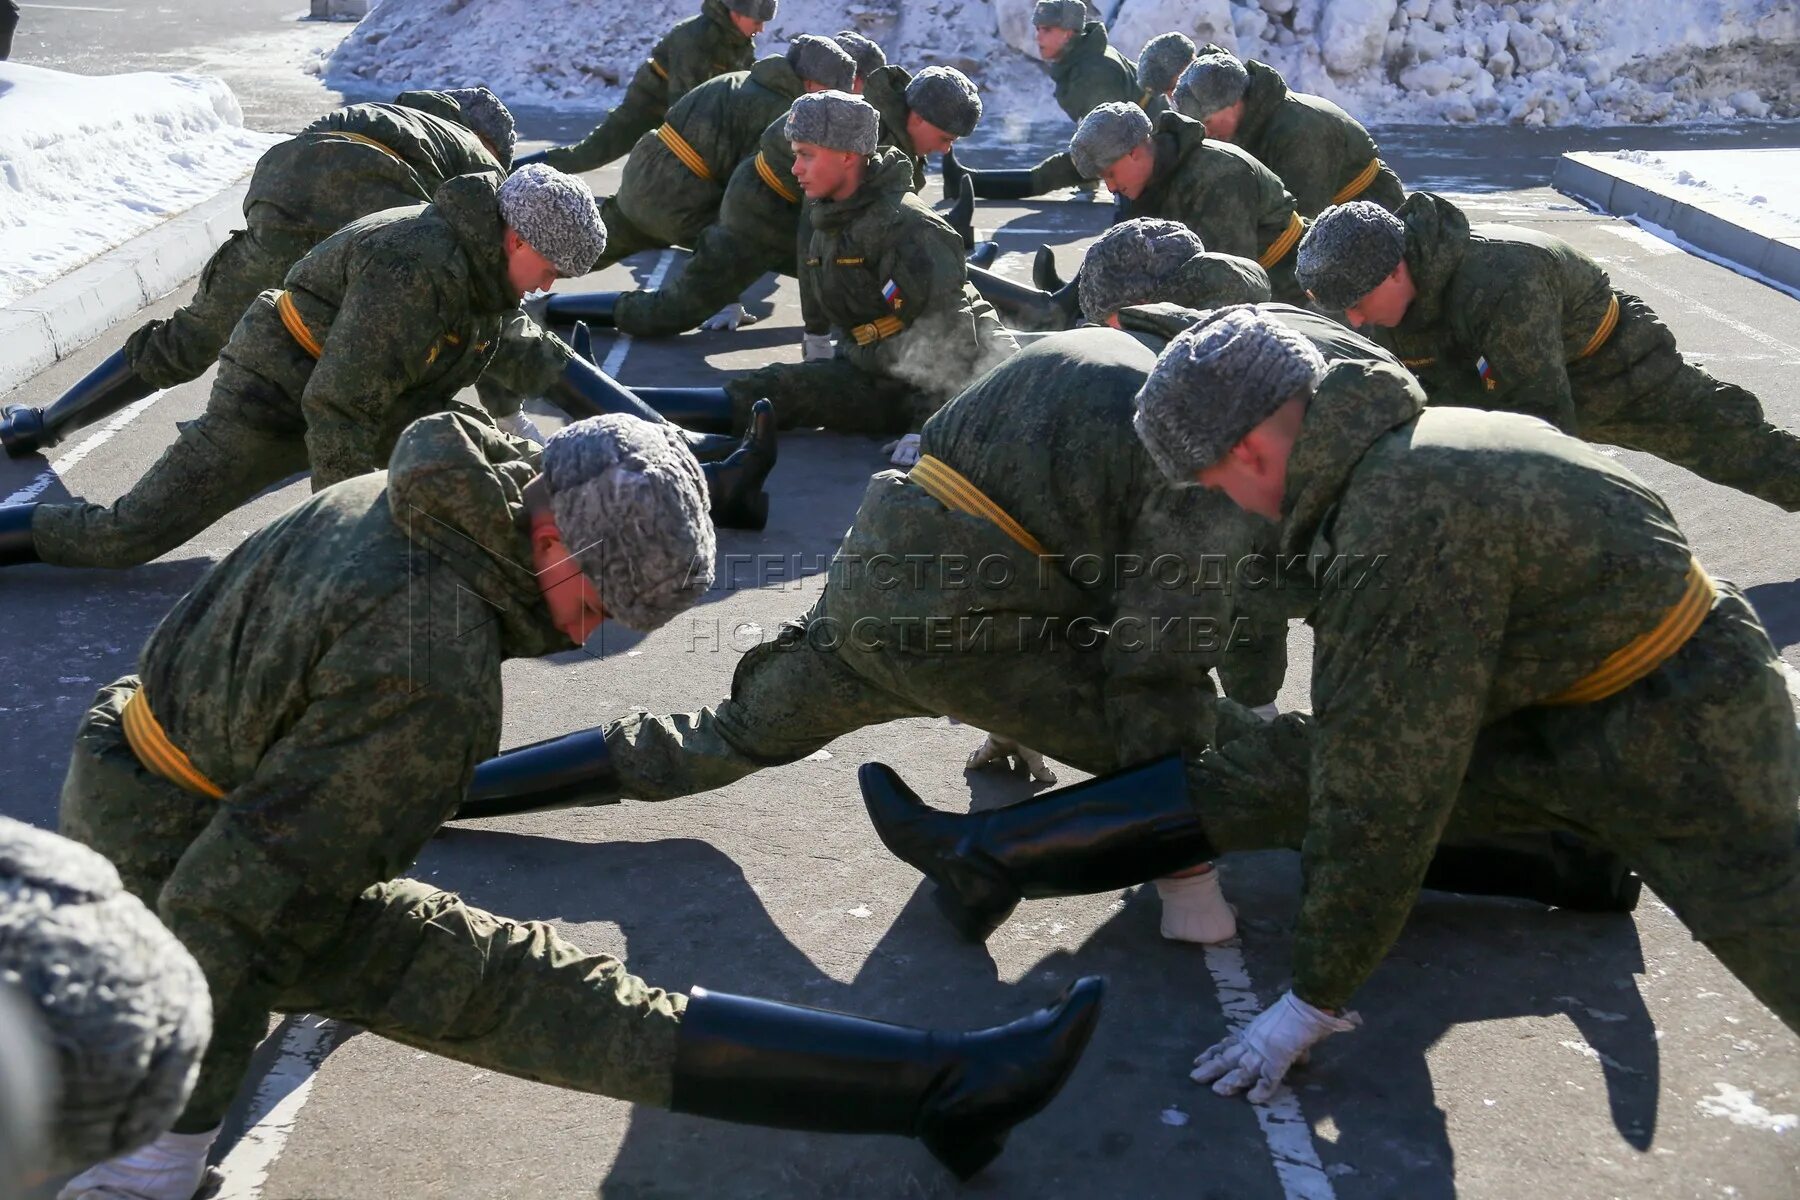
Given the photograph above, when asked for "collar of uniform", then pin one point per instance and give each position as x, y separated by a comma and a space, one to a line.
885, 89
1089, 43
888, 180
778, 75
1437, 237
470, 205
720, 16
1263, 97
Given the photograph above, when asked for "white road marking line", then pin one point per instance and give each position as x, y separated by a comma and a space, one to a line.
1284, 1126
63, 465
615, 357
72, 8
1791, 353
1640, 238
276, 1108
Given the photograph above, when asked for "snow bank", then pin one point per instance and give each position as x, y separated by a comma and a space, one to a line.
1548, 62
88, 162
1750, 187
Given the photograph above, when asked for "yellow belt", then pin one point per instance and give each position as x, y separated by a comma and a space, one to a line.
658, 68
1360, 184
876, 330
296, 327
690, 157
943, 483
1649, 651
1278, 249
773, 180
1607, 324
367, 141
158, 754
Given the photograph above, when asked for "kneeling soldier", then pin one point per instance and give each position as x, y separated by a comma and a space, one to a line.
1494, 316
1542, 652
259, 793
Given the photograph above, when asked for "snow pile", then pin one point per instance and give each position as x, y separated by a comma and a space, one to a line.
88, 162
1537, 63
1750, 187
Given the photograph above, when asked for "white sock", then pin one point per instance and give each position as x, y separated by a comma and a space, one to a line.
1194, 909
170, 1168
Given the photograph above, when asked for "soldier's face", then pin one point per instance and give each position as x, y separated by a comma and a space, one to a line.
572, 599
1130, 175
1222, 125
821, 173
1386, 306
526, 269
1052, 42
926, 137
748, 26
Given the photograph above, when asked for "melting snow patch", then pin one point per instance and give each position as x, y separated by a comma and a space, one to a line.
1174, 1116
1740, 1108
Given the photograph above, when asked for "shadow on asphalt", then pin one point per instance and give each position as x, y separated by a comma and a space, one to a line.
1778, 606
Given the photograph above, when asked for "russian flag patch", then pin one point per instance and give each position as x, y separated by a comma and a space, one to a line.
890, 292
1486, 371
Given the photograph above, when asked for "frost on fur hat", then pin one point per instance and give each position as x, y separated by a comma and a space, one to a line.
492, 121
866, 54
1216, 381
556, 215
834, 120
1213, 81
1348, 251
1060, 14
1163, 59
820, 60
125, 1011
756, 10
631, 504
1130, 263
1106, 135
947, 98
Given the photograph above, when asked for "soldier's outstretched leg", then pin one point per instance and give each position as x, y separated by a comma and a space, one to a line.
418, 966
1057, 171
97, 395
716, 274
1026, 308
828, 393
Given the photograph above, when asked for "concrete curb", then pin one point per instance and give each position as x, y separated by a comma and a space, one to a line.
52, 322
1731, 233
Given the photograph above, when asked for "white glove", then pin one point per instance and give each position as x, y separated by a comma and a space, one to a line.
1261, 1054
1194, 909
814, 346
521, 426
1267, 712
905, 452
170, 1168
728, 319
1005, 751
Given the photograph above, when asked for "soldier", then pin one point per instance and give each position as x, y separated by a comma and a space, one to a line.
1319, 151
1505, 318
1160, 64
260, 792
347, 164
1173, 170
1087, 72
1543, 652
97, 1000
879, 265
868, 56
716, 41
385, 320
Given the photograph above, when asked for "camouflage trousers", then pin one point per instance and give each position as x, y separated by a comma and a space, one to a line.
1658, 402
182, 346
407, 961
723, 264
1690, 775
676, 226
834, 394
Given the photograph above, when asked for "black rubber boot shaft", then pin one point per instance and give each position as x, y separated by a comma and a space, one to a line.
735, 486
961, 215
1554, 868
1021, 306
706, 409
983, 254
761, 1062
1043, 270
16, 544
99, 394
571, 771
566, 308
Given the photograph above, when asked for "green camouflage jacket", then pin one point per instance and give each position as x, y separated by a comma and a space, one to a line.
1500, 313
1314, 147
406, 308
882, 256
1516, 560
1233, 202
1090, 72
885, 89
338, 676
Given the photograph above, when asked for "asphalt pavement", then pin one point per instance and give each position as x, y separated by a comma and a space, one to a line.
1508, 1049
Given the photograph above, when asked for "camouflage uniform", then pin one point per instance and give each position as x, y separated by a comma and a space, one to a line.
1090, 72
1502, 319
700, 48
754, 232
1233, 202
1318, 150
1518, 560
883, 263
931, 612
664, 202
342, 734
302, 192
407, 308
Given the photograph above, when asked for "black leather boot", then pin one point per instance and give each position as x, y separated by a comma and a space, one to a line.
16, 544
1121, 829
1023, 307
584, 390
1043, 270
1554, 868
100, 393
953, 173
566, 308
961, 215
571, 771
760, 1062
704, 408
983, 254
989, 185
735, 486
